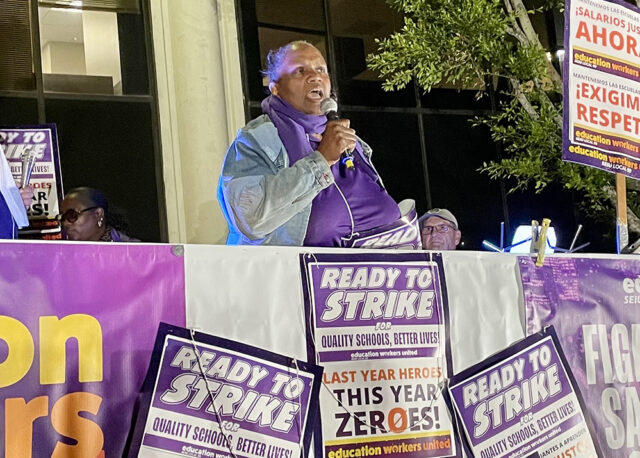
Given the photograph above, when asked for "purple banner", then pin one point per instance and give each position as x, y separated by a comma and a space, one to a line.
46, 178
217, 397
77, 326
521, 401
602, 86
378, 324
594, 305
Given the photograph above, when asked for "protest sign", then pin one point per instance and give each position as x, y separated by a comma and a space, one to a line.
594, 305
77, 326
378, 324
210, 397
46, 178
602, 85
523, 401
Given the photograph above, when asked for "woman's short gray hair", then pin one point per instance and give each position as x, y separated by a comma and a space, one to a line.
276, 56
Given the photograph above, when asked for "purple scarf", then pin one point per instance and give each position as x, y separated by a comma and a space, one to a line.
329, 220
295, 128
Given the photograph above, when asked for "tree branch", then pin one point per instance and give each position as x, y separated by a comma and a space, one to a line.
518, 35
515, 30
522, 15
509, 8
558, 117
522, 98
517, 9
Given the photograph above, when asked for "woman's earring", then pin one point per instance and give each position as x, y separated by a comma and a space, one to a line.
100, 222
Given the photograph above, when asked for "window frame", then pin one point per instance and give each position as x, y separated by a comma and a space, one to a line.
150, 99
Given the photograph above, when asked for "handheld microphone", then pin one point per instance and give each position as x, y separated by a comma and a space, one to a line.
28, 161
330, 109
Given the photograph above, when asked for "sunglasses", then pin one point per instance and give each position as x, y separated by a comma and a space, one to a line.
72, 215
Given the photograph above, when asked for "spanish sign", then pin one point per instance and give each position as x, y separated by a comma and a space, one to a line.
378, 325
522, 401
210, 397
602, 85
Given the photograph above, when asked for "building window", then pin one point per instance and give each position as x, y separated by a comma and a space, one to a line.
92, 47
83, 65
15, 47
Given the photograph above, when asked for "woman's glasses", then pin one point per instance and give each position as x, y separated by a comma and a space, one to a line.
72, 215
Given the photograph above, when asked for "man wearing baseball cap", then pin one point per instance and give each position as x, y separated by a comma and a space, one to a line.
439, 230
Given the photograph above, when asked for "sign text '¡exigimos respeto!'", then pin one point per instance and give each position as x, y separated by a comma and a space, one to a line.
64, 416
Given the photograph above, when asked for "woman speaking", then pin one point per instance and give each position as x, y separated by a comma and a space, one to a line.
282, 180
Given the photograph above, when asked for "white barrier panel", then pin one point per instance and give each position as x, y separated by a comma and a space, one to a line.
254, 295
485, 304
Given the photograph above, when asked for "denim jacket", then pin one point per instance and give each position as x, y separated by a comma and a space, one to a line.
266, 201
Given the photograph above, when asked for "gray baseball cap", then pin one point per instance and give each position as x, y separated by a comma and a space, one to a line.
440, 213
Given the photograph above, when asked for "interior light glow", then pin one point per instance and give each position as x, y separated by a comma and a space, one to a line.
524, 232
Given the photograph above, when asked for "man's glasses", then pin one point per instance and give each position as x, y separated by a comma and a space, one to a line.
72, 215
440, 228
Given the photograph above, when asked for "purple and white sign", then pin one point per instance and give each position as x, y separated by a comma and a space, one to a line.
403, 234
77, 328
594, 305
522, 401
377, 322
375, 310
602, 85
207, 396
46, 178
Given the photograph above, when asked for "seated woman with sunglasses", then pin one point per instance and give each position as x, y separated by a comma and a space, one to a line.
86, 217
